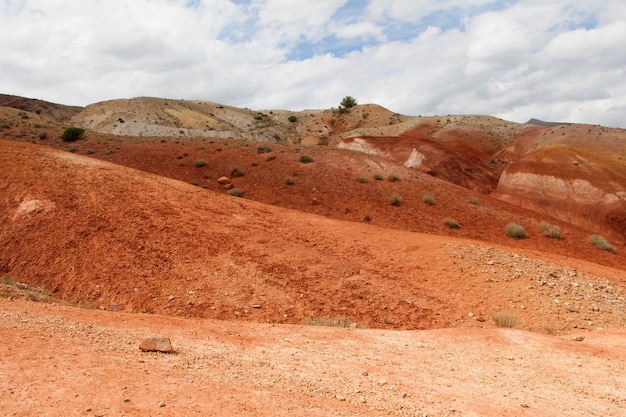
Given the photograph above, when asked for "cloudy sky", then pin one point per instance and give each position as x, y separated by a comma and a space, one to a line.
558, 60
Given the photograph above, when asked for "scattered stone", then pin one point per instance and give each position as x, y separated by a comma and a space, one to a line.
161, 404
340, 397
256, 305
525, 406
223, 180
157, 344
382, 382
579, 338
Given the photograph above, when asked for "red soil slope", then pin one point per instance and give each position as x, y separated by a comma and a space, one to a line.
111, 237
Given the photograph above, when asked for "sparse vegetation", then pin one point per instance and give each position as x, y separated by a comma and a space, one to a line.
451, 223
236, 192
505, 319
292, 118
393, 177
199, 163
237, 171
553, 232
72, 134
43, 135
305, 159
395, 200
473, 200
515, 231
362, 180
289, 181
378, 177
339, 321
601, 243
263, 149
429, 199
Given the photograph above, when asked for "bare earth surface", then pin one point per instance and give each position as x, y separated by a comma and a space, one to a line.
75, 362
126, 237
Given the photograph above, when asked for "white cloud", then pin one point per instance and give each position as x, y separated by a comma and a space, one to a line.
558, 60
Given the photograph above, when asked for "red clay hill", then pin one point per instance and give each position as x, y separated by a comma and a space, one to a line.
363, 219
169, 238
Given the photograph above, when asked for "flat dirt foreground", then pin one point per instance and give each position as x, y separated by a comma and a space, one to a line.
58, 360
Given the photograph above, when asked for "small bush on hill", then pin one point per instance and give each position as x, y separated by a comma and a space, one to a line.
395, 200
473, 200
504, 319
601, 243
451, 223
340, 321
237, 172
236, 192
429, 199
515, 231
553, 232
393, 177
292, 118
199, 163
263, 149
378, 177
72, 134
289, 181
305, 159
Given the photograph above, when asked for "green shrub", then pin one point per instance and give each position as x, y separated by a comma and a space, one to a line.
601, 243
43, 135
378, 177
451, 223
236, 172
553, 232
236, 192
292, 118
263, 149
504, 319
305, 159
515, 231
473, 200
289, 181
362, 180
72, 134
429, 199
199, 163
393, 177
395, 200
346, 104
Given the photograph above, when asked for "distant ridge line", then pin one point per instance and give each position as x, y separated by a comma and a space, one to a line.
538, 122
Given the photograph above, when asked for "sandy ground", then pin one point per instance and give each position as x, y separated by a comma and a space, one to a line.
87, 363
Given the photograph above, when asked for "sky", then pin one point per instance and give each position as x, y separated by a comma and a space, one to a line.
555, 60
